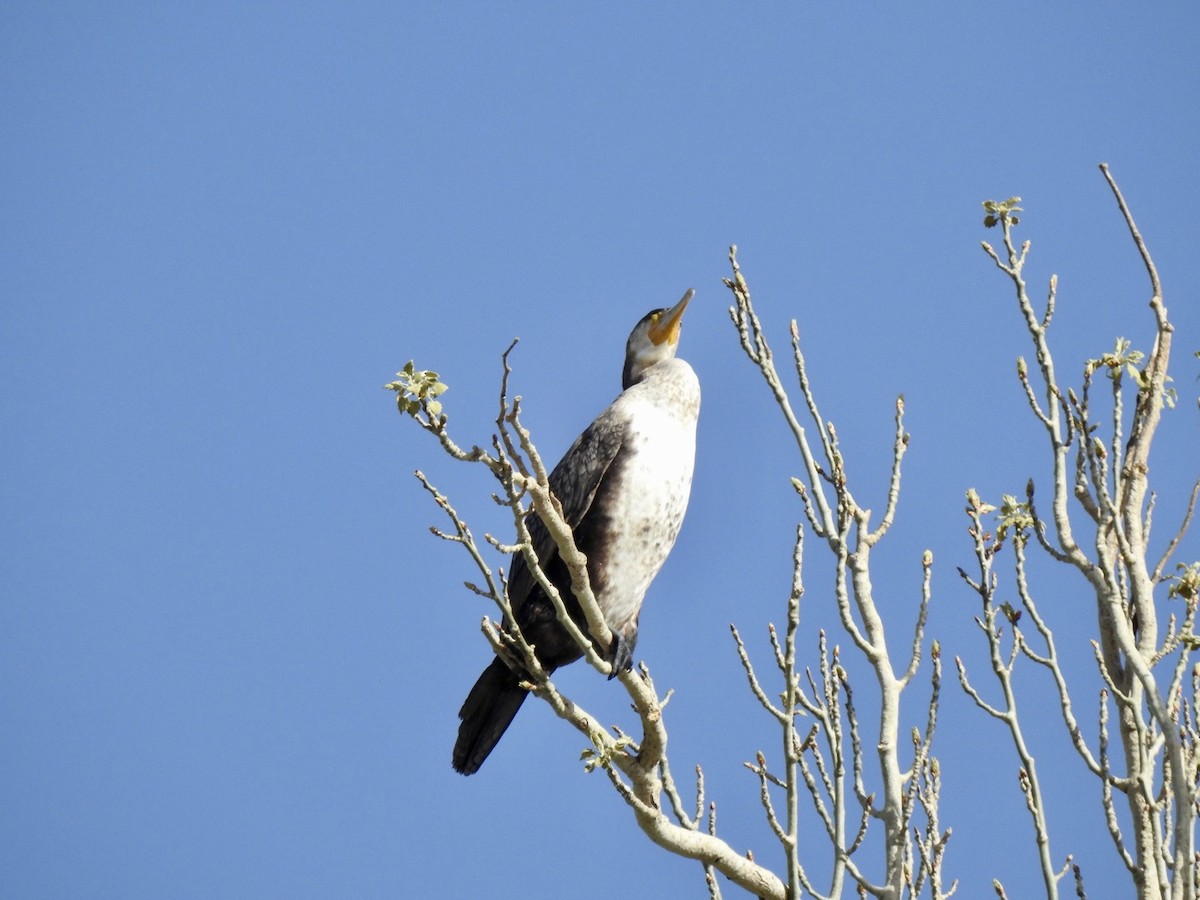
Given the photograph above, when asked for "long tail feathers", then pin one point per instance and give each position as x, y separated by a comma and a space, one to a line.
488, 711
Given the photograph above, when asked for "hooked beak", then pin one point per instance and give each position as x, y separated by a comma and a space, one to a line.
668, 324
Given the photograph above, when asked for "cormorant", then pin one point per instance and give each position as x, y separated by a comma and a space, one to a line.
624, 487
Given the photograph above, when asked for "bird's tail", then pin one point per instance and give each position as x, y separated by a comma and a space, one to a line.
486, 714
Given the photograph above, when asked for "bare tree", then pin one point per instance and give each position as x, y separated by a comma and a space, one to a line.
1101, 478
816, 764
825, 767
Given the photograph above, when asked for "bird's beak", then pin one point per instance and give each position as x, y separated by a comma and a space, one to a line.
668, 324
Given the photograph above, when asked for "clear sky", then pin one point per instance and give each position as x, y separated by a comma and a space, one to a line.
231, 655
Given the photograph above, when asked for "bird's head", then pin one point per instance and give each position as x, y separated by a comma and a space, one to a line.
653, 339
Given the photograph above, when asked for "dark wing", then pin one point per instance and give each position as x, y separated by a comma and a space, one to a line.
574, 481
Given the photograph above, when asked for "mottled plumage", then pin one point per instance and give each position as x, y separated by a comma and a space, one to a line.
624, 487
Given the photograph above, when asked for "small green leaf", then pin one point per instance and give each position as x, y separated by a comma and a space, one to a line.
1186, 585
1016, 517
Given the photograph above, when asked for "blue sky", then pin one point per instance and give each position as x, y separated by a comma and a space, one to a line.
231, 655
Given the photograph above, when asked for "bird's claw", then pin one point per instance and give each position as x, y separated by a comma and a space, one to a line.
620, 655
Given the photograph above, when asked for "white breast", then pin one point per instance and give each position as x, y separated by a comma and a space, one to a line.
647, 511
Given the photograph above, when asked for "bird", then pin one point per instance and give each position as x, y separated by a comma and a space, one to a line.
624, 486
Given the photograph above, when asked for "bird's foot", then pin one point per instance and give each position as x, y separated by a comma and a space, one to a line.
620, 654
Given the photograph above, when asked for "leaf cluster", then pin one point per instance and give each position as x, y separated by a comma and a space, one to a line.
999, 210
417, 389
1123, 357
1186, 584
1016, 517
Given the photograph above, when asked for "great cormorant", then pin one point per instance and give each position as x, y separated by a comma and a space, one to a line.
624, 487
